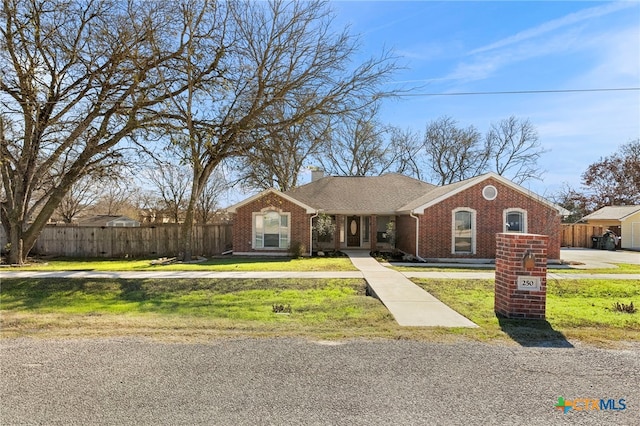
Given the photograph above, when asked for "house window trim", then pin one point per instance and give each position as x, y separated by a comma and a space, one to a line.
473, 231
262, 212
525, 221
366, 229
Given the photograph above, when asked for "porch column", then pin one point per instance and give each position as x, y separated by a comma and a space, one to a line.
373, 232
336, 237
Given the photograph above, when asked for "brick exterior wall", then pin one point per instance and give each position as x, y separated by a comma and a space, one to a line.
509, 301
243, 223
436, 222
435, 227
406, 234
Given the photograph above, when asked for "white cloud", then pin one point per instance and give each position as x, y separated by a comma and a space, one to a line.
571, 19
616, 48
619, 62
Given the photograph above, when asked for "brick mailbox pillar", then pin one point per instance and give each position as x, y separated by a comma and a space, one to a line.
521, 276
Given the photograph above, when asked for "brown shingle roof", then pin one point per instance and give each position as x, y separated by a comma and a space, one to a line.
359, 194
438, 191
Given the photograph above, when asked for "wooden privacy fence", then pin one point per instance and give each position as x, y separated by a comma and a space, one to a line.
579, 234
158, 240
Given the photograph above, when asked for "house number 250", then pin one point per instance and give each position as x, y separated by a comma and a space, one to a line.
529, 283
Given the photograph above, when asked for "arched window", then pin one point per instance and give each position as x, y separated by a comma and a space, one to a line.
515, 220
463, 240
271, 230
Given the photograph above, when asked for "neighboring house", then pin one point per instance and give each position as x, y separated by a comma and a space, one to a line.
108, 220
456, 221
624, 221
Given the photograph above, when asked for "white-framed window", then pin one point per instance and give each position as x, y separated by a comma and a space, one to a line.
515, 220
463, 231
386, 229
271, 229
366, 228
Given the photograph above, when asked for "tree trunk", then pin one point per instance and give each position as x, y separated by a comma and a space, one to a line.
15, 255
186, 233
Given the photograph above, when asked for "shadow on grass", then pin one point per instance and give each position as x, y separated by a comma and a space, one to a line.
533, 333
37, 293
133, 291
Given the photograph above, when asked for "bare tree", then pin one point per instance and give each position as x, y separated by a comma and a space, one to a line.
116, 196
454, 153
514, 149
407, 145
209, 200
77, 77
277, 159
170, 183
148, 207
83, 194
359, 146
277, 65
578, 203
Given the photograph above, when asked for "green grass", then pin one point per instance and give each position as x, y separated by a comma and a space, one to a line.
237, 299
576, 309
191, 307
201, 309
215, 264
417, 268
622, 268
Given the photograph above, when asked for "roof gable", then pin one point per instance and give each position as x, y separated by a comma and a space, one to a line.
439, 194
235, 207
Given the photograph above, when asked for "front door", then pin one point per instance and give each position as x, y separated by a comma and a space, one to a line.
353, 231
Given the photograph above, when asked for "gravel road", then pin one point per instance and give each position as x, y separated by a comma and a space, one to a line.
291, 381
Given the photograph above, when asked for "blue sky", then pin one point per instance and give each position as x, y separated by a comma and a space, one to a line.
512, 46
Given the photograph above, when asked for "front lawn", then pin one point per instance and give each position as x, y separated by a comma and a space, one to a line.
620, 268
576, 309
227, 263
201, 309
191, 308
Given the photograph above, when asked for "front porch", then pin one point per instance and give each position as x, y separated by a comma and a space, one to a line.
353, 232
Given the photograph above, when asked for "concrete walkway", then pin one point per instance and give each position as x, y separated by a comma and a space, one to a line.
409, 304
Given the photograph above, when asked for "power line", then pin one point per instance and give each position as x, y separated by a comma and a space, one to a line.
524, 92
